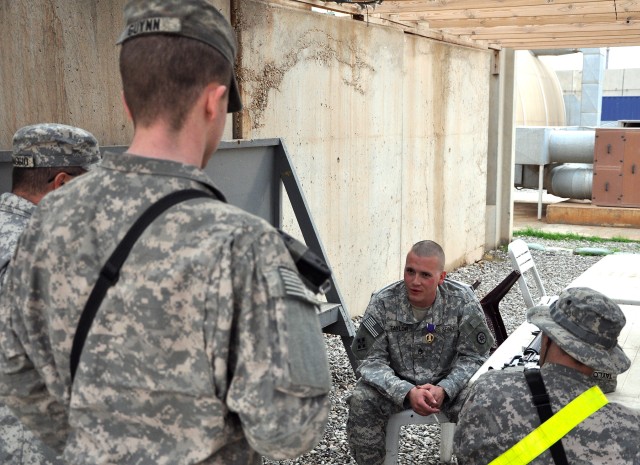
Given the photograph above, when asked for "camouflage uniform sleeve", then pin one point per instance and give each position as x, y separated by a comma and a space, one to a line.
474, 342
475, 423
281, 380
375, 368
22, 388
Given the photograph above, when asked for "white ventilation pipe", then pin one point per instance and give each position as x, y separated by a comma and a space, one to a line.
572, 181
571, 150
572, 146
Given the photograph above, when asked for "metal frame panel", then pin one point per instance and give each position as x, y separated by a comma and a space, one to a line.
251, 174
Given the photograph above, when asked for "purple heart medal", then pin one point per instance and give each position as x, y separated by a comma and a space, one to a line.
429, 330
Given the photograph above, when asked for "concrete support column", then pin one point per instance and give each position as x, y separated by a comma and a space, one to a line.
500, 150
593, 64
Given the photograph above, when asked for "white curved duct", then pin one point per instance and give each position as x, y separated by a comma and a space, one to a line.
572, 181
538, 94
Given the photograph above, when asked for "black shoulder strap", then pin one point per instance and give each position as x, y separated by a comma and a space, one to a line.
543, 404
110, 272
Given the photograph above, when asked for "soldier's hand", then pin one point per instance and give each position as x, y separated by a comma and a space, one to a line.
423, 401
438, 394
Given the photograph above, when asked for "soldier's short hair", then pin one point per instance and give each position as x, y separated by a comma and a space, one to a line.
429, 248
34, 181
162, 76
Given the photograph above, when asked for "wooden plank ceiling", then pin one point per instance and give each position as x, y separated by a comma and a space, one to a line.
518, 24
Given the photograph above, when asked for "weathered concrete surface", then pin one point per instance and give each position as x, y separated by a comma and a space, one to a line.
446, 110
388, 134
617, 82
59, 63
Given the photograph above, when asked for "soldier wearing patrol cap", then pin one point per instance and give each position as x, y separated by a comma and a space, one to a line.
420, 341
580, 333
205, 350
45, 157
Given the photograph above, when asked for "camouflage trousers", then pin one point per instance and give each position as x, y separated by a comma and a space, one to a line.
18, 446
369, 412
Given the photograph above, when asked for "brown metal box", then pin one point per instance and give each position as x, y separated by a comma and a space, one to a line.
616, 168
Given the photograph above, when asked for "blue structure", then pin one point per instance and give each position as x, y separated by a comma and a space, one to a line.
620, 108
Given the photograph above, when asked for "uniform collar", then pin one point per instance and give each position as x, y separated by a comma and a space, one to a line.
16, 205
134, 163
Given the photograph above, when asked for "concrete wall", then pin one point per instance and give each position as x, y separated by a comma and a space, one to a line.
387, 131
388, 134
617, 82
59, 63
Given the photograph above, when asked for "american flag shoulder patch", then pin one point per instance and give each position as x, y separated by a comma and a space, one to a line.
293, 285
372, 326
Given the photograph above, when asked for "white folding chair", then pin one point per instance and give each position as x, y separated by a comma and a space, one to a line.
522, 261
409, 417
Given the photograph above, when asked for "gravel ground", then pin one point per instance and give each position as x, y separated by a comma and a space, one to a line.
419, 444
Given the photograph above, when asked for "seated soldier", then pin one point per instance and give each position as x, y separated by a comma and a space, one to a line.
579, 332
420, 341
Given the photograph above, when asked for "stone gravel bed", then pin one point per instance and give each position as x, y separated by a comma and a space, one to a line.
557, 265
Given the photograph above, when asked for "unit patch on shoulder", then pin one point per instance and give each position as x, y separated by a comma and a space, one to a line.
293, 285
361, 343
481, 337
366, 336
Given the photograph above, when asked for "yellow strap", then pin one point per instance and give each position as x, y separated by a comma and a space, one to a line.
548, 433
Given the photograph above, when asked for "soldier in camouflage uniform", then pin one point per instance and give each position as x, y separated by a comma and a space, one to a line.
45, 157
419, 343
580, 332
207, 349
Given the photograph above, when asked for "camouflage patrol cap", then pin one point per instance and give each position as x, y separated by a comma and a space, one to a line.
54, 145
586, 325
195, 19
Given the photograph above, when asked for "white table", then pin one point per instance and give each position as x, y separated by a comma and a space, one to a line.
628, 390
514, 345
617, 276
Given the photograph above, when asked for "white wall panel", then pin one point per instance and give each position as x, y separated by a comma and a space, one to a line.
383, 128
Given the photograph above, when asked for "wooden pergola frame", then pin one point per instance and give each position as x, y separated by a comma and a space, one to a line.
517, 24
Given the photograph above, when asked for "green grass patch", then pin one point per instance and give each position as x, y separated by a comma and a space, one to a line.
555, 236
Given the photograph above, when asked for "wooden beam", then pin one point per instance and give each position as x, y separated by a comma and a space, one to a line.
398, 6
416, 29
576, 42
521, 22
632, 27
505, 12
584, 39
